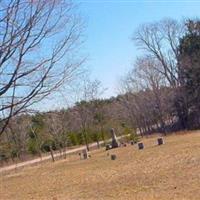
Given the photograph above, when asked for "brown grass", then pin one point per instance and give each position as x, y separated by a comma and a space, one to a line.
170, 171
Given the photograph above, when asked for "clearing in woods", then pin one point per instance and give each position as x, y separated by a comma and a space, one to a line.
170, 171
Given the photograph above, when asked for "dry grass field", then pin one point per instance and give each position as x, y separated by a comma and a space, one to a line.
167, 172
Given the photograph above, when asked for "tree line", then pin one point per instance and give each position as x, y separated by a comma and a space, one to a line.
39, 56
84, 123
161, 92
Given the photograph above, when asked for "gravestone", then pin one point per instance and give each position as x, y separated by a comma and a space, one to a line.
108, 147
140, 146
132, 143
114, 143
85, 154
80, 155
124, 145
160, 141
113, 157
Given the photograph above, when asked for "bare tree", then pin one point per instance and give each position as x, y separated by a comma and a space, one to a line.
160, 40
146, 71
38, 48
17, 135
130, 101
56, 126
88, 93
144, 95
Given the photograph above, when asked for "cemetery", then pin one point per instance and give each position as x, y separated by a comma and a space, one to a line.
100, 100
118, 173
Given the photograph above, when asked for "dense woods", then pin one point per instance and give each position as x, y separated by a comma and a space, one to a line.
161, 93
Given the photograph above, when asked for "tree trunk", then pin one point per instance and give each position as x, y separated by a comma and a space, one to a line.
64, 152
98, 145
103, 136
52, 155
86, 141
182, 113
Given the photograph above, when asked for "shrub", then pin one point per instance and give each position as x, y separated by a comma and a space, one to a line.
73, 139
134, 137
33, 147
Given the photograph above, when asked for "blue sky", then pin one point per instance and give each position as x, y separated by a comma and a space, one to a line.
110, 25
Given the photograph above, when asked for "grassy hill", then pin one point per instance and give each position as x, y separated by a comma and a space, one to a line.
170, 171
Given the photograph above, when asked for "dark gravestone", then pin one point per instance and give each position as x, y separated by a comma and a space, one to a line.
114, 139
132, 143
108, 147
80, 155
123, 144
85, 154
113, 157
160, 141
140, 146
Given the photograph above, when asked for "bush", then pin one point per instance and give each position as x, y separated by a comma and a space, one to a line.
3, 157
73, 139
95, 136
134, 137
14, 153
130, 135
4, 151
47, 144
33, 147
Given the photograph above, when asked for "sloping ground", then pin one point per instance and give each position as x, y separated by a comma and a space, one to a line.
170, 171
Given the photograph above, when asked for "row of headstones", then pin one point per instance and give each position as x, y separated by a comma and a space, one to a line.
160, 141
115, 144
140, 146
85, 155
